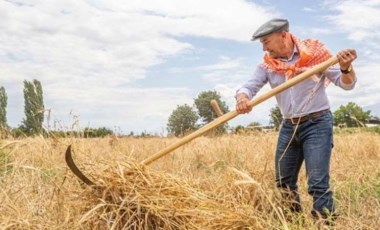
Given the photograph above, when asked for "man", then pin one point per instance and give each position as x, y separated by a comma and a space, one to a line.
306, 132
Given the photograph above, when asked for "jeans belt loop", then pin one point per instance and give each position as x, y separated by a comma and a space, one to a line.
296, 120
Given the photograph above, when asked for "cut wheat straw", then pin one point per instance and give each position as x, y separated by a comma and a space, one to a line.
130, 197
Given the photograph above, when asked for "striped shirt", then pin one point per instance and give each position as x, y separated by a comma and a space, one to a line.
294, 102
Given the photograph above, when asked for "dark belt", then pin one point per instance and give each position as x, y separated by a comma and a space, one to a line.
299, 120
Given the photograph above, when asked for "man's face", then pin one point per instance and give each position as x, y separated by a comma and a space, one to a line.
274, 44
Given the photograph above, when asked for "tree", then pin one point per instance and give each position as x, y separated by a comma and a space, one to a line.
254, 124
205, 110
3, 108
351, 115
182, 120
275, 116
97, 132
239, 129
34, 108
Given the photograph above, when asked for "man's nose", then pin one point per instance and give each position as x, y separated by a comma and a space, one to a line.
265, 47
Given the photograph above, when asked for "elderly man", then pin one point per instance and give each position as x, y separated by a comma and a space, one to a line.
306, 132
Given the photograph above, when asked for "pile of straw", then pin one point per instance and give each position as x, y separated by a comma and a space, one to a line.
128, 196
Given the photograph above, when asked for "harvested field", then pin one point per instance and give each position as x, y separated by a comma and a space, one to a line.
211, 183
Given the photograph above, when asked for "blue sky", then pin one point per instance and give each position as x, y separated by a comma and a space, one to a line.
127, 65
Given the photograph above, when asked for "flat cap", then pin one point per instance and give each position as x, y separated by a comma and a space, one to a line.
273, 25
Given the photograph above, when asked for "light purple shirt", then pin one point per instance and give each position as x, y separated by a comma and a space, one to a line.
293, 102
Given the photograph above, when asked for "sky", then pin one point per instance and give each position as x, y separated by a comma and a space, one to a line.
126, 65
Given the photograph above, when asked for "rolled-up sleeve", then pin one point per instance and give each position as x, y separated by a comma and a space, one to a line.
335, 76
254, 84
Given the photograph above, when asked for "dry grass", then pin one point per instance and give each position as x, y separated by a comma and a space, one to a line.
210, 183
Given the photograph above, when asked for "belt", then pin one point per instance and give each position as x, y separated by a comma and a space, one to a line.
299, 120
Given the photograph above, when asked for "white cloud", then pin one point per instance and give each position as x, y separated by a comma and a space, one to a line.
317, 31
138, 108
358, 18
87, 53
226, 71
366, 91
94, 57
309, 9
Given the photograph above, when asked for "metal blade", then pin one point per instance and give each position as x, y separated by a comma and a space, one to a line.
74, 168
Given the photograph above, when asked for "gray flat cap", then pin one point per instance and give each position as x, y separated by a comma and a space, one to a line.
273, 25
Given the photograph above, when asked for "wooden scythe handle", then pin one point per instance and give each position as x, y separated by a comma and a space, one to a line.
216, 108
255, 101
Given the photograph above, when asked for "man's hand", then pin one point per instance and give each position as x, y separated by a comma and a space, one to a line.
346, 57
242, 105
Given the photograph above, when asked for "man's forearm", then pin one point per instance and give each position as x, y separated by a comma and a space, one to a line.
349, 78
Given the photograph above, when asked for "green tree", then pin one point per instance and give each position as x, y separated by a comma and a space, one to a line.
352, 115
239, 129
275, 116
34, 108
205, 110
182, 120
97, 132
254, 124
3, 108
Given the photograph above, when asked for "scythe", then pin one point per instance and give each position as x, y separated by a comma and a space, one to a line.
220, 120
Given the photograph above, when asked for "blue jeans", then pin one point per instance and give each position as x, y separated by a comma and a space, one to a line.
312, 143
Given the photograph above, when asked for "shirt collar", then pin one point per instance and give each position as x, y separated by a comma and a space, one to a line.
295, 51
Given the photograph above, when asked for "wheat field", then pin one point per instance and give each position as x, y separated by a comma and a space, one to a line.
224, 182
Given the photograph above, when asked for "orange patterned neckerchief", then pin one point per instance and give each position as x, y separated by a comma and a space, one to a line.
312, 52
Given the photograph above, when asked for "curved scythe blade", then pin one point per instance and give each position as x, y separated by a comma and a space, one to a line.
74, 168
